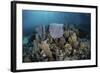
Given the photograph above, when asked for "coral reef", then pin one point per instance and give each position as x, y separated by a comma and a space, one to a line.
57, 43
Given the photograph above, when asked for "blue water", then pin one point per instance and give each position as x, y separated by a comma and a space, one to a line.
33, 18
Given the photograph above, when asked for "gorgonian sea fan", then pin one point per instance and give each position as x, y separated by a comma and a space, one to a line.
56, 30
41, 31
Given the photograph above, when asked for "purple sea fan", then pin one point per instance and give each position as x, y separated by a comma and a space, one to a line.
56, 30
